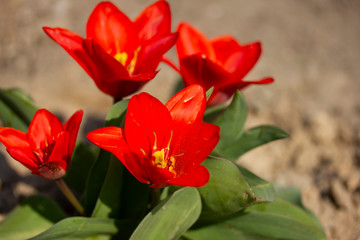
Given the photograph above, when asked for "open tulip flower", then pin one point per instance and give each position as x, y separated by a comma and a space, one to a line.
47, 147
163, 145
119, 54
221, 62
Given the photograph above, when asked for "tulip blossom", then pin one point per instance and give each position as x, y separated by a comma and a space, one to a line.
47, 147
221, 62
119, 54
160, 144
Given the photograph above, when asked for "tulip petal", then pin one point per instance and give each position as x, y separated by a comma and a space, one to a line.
72, 43
24, 156
198, 177
72, 127
187, 106
241, 62
112, 140
112, 29
197, 69
43, 131
224, 47
146, 117
191, 41
194, 145
60, 152
154, 20
12, 137
152, 52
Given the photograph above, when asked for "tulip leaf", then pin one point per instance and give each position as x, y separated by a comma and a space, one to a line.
209, 92
34, 215
171, 218
83, 158
234, 140
252, 138
99, 171
78, 228
16, 108
232, 121
230, 189
271, 221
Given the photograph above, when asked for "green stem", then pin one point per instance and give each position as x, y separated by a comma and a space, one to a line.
70, 196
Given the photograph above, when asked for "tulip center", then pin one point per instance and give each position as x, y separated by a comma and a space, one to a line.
161, 158
122, 57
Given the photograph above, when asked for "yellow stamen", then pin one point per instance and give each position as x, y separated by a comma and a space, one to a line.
121, 57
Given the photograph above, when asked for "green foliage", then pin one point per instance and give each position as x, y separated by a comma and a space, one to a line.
171, 218
234, 140
34, 215
228, 190
16, 109
79, 228
104, 184
276, 220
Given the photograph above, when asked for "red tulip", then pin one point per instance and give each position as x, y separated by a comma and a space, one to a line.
221, 62
47, 147
163, 145
120, 55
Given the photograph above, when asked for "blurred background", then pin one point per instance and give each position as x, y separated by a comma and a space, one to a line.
310, 47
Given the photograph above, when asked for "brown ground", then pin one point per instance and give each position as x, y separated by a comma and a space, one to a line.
310, 47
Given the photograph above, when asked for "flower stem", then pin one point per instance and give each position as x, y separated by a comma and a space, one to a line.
70, 196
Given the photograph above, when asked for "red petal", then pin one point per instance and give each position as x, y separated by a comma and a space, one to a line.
24, 156
196, 69
112, 29
241, 62
72, 43
12, 137
194, 145
43, 130
224, 47
60, 152
152, 52
154, 20
191, 41
145, 116
187, 106
196, 178
112, 140
72, 127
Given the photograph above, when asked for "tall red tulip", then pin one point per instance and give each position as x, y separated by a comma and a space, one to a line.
119, 54
47, 147
221, 62
163, 145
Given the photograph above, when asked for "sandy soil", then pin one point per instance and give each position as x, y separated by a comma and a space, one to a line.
310, 47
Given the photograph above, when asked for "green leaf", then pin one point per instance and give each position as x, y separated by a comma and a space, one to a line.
293, 195
81, 162
234, 141
31, 217
276, 220
252, 138
263, 190
16, 109
79, 228
98, 174
209, 92
232, 122
228, 191
171, 218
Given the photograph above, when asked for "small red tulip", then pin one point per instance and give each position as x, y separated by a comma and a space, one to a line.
163, 145
221, 62
119, 54
47, 147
